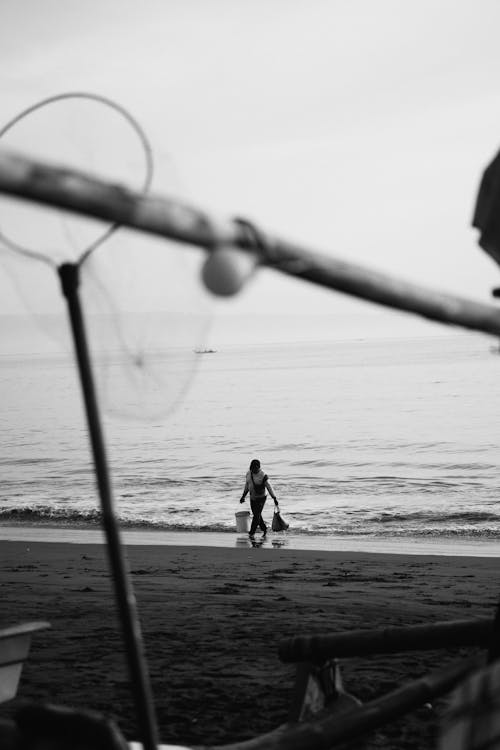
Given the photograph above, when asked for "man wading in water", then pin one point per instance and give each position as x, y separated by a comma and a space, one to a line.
256, 483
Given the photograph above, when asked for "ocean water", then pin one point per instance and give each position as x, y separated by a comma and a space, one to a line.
378, 438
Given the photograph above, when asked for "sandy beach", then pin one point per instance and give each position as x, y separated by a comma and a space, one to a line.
212, 619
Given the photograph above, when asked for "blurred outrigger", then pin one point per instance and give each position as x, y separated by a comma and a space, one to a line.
323, 715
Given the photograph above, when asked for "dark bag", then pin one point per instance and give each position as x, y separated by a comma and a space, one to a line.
279, 524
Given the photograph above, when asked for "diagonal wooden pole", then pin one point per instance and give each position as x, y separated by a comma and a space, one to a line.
84, 194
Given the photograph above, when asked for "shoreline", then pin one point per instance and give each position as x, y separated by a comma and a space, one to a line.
439, 546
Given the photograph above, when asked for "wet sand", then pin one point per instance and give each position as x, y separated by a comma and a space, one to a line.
212, 619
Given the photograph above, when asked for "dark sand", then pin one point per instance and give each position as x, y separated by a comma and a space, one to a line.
212, 619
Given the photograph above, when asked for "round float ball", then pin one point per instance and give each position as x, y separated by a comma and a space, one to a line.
226, 270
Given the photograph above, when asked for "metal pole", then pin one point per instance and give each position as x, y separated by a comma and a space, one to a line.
127, 608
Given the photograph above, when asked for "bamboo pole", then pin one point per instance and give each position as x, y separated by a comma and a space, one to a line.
84, 194
425, 637
127, 605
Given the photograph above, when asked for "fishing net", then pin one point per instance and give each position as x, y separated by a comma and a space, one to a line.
145, 308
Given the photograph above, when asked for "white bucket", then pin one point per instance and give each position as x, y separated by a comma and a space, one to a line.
242, 520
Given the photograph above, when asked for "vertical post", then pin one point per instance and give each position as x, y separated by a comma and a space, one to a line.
69, 275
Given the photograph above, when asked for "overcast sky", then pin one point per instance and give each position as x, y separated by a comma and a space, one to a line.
360, 127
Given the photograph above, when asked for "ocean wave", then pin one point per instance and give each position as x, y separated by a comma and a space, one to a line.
466, 524
28, 461
138, 483
39, 514
437, 517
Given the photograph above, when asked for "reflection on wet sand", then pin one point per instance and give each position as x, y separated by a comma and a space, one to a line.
276, 539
